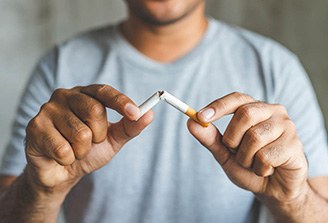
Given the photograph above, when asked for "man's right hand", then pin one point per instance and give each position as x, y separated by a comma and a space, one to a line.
71, 136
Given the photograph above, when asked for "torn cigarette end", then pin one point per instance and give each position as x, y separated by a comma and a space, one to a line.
192, 113
173, 101
150, 103
181, 106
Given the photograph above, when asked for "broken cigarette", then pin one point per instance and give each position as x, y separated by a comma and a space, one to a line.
173, 101
150, 103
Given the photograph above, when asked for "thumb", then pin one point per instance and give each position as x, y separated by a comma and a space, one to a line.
125, 130
210, 138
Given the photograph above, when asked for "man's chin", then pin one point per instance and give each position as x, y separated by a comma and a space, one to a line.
162, 21
161, 14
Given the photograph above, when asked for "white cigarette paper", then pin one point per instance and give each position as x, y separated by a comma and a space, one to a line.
171, 100
150, 103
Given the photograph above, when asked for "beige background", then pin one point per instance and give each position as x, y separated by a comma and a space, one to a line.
31, 27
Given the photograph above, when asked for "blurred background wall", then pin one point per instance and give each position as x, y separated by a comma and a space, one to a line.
28, 28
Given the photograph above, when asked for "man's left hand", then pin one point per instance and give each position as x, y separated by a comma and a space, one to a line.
259, 151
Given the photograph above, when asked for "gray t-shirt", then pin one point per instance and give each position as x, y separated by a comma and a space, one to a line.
165, 175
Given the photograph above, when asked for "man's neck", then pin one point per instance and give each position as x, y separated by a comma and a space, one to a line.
166, 43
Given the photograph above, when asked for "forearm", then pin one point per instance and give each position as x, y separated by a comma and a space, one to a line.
23, 202
309, 207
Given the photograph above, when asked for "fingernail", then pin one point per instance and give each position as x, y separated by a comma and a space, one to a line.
132, 110
207, 114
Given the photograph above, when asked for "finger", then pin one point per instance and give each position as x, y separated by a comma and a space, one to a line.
125, 130
285, 152
75, 131
223, 106
244, 118
256, 138
112, 98
92, 113
47, 141
211, 138
263, 170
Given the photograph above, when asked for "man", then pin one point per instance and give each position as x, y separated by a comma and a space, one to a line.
79, 160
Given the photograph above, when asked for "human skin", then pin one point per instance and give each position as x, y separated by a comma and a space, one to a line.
261, 152
164, 31
69, 138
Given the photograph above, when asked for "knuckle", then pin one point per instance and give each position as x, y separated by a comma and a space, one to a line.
221, 104
62, 151
102, 88
47, 108
290, 126
244, 113
33, 125
118, 99
260, 172
97, 110
59, 93
36, 129
237, 95
258, 105
83, 135
228, 141
80, 153
252, 136
263, 170
265, 128
240, 96
77, 88
263, 157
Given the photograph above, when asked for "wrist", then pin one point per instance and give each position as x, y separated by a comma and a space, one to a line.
26, 201
55, 194
290, 209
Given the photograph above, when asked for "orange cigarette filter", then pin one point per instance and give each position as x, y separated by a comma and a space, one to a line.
192, 113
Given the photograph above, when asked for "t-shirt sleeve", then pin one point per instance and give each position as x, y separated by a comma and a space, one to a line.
36, 93
294, 90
